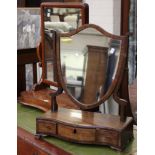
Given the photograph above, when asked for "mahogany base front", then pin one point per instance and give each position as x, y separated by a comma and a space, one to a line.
86, 127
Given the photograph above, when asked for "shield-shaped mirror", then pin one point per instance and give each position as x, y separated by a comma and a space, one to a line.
90, 62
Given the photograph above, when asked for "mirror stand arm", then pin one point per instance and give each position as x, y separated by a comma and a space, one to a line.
39, 53
54, 105
39, 86
123, 105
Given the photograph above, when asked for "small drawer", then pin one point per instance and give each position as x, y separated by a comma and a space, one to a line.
76, 133
46, 127
107, 136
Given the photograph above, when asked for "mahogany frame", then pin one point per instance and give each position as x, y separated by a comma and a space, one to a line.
40, 49
114, 87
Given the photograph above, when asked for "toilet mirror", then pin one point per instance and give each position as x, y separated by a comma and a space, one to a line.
61, 17
89, 62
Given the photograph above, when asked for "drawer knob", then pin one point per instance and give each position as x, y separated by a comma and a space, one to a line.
74, 131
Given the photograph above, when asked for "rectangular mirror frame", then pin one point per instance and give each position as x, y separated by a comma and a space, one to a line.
85, 20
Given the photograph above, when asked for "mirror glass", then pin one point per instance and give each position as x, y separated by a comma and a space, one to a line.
89, 63
60, 19
49, 54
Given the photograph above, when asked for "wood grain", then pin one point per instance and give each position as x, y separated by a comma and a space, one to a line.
87, 127
41, 99
27, 144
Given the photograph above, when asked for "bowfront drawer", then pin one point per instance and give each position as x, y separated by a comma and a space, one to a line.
107, 136
46, 127
76, 133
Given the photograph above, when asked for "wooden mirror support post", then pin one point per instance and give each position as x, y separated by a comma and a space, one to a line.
54, 105
82, 126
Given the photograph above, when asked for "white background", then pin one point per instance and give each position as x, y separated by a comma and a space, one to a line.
105, 13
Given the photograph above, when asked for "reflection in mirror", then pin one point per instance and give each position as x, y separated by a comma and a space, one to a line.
89, 63
48, 55
62, 19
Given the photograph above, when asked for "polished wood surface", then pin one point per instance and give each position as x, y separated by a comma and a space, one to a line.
107, 136
48, 128
21, 3
86, 127
78, 134
87, 119
41, 99
123, 91
27, 144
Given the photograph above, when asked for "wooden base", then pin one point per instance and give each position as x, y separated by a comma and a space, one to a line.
86, 127
42, 100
